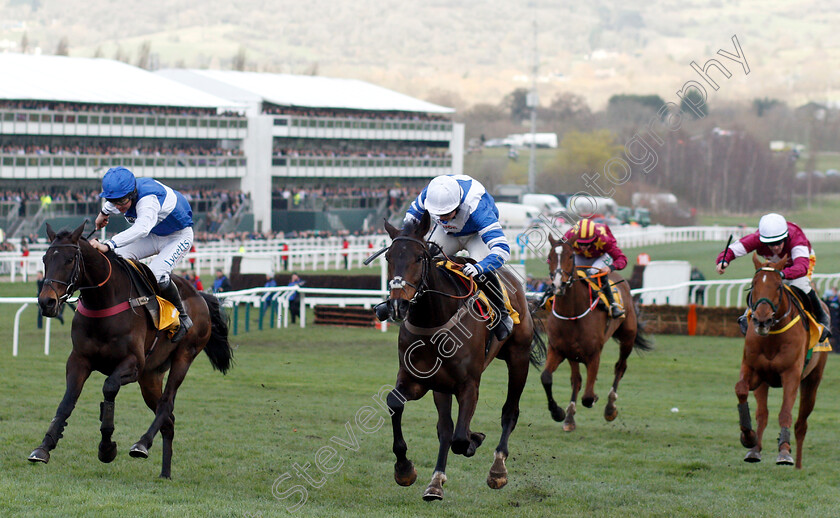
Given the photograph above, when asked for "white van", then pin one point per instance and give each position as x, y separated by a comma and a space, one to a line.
516, 215
547, 204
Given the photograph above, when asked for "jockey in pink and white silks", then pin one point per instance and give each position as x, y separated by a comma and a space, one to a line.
464, 217
161, 223
777, 238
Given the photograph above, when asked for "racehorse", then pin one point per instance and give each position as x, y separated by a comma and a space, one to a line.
113, 337
578, 332
442, 348
776, 355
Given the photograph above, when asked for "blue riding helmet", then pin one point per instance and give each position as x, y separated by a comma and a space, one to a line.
117, 183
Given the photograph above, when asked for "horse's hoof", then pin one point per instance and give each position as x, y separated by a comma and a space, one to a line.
497, 480
753, 456
39, 455
460, 446
588, 403
433, 493
138, 451
406, 474
784, 459
476, 438
610, 413
107, 453
569, 427
749, 440
557, 413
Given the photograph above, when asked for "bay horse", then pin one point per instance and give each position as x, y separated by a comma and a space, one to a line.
577, 331
775, 355
112, 337
442, 348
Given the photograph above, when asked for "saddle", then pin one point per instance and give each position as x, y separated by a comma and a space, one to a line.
162, 313
482, 303
597, 285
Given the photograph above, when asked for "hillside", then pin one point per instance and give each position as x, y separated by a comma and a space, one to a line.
477, 50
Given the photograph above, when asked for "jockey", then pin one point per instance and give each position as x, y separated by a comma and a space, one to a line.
777, 238
595, 246
465, 217
161, 223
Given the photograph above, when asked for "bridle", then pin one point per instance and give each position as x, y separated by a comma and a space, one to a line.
421, 288
764, 300
564, 285
74, 276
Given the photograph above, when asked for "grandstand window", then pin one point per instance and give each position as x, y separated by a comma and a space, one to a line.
57, 160
20, 162
7, 160
106, 119
293, 162
320, 163
281, 122
172, 122
243, 123
83, 119
330, 123
203, 123
193, 123
322, 123
8, 116
150, 162
58, 118
223, 123
128, 121
116, 120
138, 162
161, 121
182, 123
150, 121
94, 119
44, 161
160, 162
33, 117
214, 123
295, 122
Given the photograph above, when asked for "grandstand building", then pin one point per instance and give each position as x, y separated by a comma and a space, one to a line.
254, 152
316, 135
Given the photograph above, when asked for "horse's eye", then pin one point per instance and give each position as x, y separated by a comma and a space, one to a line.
419, 258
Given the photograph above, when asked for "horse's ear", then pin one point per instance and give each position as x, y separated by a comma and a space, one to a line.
780, 264
758, 264
552, 240
391, 229
50, 233
78, 232
425, 225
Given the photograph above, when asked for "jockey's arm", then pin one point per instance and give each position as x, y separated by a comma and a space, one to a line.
495, 240
800, 265
148, 209
416, 209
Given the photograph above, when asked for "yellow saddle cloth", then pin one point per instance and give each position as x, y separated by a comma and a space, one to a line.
596, 285
482, 297
167, 317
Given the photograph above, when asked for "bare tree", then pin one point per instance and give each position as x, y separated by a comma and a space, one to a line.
63, 48
24, 42
143, 55
239, 60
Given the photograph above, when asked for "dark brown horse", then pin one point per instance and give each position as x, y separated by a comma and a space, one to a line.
578, 330
775, 355
442, 349
119, 340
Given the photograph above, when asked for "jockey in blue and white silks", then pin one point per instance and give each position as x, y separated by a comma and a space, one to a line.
464, 217
161, 223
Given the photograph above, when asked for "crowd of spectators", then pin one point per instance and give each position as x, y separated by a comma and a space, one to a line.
292, 196
59, 106
351, 114
91, 148
368, 153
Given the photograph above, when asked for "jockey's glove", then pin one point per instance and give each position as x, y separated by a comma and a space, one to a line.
470, 269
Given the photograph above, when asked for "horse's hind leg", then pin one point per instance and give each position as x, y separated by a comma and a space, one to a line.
445, 426
552, 360
126, 372
404, 472
465, 442
625, 348
569, 423
807, 399
164, 414
77, 372
517, 376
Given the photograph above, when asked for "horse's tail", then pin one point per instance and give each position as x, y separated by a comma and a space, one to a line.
642, 342
218, 348
538, 347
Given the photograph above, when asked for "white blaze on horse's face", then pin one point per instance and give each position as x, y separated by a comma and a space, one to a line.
558, 280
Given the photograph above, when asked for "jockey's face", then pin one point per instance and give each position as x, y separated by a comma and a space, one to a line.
584, 246
122, 204
776, 247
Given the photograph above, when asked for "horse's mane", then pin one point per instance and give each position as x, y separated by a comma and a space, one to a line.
410, 229
63, 233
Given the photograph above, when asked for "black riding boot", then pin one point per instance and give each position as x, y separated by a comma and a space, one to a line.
614, 310
170, 293
820, 315
493, 290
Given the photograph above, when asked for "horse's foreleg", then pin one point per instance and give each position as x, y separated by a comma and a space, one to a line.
552, 360
404, 472
790, 386
589, 397
77, 372
464, 442
164, 415
742, 391
807, 399
517, 376
569, 423
126, 372
445, 426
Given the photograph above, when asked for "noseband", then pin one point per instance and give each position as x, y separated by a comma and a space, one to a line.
764, 300
398, 283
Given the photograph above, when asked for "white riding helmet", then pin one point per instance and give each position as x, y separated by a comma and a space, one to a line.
772, 227
443, 195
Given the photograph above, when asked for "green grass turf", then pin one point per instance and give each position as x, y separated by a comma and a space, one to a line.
290, 391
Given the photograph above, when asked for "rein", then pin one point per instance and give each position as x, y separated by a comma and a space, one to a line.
423, 287
593, 301
74, 277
